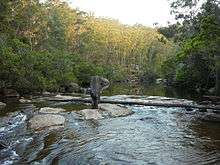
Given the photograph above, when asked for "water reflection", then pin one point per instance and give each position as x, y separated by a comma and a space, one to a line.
150, 90
207, 132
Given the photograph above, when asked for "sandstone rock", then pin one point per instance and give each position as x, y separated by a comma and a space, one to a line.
2, 105
63, 97
91, 114
46, 120
46, 93
115, 110
22, 100
51, 110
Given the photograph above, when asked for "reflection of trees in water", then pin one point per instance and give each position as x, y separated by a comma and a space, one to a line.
181, 93
208, 133
202, 137
128, 89
149, 90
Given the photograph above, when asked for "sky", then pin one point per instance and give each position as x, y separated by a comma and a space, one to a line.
146, 12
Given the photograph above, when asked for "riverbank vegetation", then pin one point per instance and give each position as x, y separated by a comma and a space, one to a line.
48, 45
196, 65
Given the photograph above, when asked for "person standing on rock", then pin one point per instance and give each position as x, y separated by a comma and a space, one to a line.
97, 85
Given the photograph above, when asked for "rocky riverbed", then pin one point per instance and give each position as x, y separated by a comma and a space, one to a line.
39, 131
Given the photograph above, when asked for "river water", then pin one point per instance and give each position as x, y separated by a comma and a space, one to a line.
151, 135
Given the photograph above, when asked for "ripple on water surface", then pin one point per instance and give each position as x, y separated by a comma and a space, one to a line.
151, 135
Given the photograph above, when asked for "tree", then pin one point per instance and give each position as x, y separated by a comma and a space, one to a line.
197, 63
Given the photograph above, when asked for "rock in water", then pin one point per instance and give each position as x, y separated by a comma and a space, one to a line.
46, 120
51, 110
115, 110
45, 93
2, 105
91, 114
2, 145
22, 100
211, 117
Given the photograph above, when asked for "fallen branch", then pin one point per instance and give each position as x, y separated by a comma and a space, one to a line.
189, 106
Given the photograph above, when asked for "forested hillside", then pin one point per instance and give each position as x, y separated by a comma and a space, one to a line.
44, 46
196, 66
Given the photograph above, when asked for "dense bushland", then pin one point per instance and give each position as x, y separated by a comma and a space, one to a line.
196, 65
44, 46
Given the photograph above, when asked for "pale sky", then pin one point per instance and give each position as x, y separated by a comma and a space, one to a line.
130, 12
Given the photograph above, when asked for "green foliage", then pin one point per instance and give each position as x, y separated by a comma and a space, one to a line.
84, 71
195, 65
27, 70
47, 46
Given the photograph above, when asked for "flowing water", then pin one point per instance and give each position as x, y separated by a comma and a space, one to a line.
151, 135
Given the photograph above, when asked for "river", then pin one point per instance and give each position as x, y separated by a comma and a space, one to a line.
151, 135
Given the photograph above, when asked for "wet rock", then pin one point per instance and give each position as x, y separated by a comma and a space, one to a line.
47, 93
188, 109
9, 93
205, 102
55, 127
146, 119
115, 110
61, 97
2, 145
67, 98
46, 120
91, 114
22, 100
51, 110
213, 99
2, 105
216, 111
211, 117
202, 110
159, 81
151, 120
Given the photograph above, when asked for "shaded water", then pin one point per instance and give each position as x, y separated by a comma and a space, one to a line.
150, 90
151, 135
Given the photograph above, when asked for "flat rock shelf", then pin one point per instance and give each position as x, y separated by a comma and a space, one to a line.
151, 101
